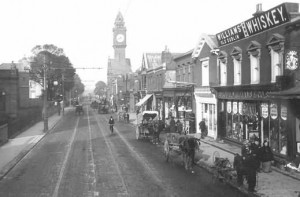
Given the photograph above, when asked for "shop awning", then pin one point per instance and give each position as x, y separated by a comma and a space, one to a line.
141, 102
292, 93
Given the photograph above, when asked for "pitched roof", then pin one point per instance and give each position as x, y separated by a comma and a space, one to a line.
9, 66
151, 60
204, 38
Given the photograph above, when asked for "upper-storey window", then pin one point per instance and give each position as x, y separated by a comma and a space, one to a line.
205, 72
236, 55
223, 68
254, 50
276, 47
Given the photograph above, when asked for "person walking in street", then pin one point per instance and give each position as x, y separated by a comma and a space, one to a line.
172, 125
111, 123
179, 127
266, 156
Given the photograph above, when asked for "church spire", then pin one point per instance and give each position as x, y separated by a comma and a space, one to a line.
119, 22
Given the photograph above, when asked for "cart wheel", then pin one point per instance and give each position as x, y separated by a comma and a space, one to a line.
137, 133
216, 154
166, 150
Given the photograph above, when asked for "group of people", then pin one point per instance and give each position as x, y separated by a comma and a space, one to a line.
253, 159
176, 126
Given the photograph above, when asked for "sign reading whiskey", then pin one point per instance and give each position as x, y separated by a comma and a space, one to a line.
267, 20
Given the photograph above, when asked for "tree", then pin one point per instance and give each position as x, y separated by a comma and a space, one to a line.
78, 86
100, 88
58, 66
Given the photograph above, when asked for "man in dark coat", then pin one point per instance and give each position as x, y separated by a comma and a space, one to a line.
252, 164
203, 128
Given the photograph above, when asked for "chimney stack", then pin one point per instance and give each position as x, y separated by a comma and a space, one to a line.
258, 10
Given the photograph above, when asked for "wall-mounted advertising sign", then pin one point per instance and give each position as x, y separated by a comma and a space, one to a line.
234, 107
229, 107
267, 20
264, 110
291, 62
283, 112
241, 108
273, 111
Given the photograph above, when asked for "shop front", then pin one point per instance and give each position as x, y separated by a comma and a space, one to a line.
206, 110
239, 112
253, 114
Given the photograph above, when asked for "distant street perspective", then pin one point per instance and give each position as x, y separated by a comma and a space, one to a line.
81, 157
149, 98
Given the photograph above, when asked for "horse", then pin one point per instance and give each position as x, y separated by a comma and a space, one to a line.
188, 146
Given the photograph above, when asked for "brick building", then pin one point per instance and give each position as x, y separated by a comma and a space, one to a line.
252, 75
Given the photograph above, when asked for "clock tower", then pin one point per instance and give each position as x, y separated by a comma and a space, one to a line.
119, 66
119, 38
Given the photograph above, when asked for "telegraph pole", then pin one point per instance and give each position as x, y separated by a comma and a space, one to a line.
45, 110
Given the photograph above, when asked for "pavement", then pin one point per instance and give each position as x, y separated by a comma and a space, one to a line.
274, 184
19, 146
277, 183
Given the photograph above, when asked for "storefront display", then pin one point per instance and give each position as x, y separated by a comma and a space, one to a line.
257, 120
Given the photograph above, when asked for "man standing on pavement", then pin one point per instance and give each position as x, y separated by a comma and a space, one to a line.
251, 164
203, 128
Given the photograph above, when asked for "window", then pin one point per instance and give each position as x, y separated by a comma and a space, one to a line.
205, 73
222, 68
254, 54
255, 69
223, 73
276, 64
276, 48
236, 55
237, 72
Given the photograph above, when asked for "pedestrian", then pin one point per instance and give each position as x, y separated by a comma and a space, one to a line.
266, 156
179, 127
203, 128
127, 117
111, 123
251, 164
172, 125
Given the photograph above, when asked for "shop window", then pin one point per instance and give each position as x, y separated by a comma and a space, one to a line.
276, 48
205, 73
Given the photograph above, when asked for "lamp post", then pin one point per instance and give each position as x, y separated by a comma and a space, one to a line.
45, 110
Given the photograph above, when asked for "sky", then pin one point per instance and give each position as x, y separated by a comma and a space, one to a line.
83, 28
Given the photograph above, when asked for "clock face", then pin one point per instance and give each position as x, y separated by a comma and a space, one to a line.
120, 37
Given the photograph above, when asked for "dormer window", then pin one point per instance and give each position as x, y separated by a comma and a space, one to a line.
236, 55
222, 61
276, 47
254, 50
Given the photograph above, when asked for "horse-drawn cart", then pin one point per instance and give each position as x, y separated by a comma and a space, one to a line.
224, 170
79, 109
184, 145
145, 124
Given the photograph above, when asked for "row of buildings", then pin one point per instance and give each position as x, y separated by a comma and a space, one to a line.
244, 81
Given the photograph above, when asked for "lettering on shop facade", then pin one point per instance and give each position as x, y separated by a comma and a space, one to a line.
267, 20
242, 95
